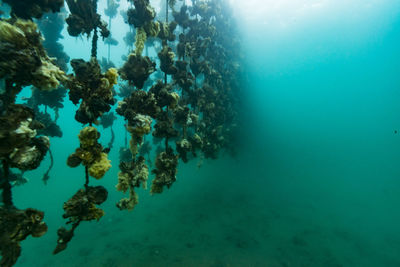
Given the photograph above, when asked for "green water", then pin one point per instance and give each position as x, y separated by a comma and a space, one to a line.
316, 183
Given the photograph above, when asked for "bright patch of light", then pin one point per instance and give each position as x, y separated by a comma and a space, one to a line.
288, 13
278, 12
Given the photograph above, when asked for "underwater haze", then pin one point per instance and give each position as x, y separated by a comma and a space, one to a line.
324, 102
316, 178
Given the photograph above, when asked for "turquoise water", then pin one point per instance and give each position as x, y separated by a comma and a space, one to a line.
316, 182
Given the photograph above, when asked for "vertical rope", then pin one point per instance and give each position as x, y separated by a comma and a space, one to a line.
166, 20
126, 137
87, 171
46, 175
94, 44
109, 46
110, 144
165, 76
166, 143
166, 15
86, 178
95, 36
7, 193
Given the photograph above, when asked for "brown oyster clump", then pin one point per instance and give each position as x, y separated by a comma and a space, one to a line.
24, 61
81, 207
90, 153
165, 171
137, 70
19, 145
15, 226
93, 88
133, 174
84, 19
27, 9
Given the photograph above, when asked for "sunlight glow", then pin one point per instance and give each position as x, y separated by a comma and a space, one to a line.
277, 12
281, 14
